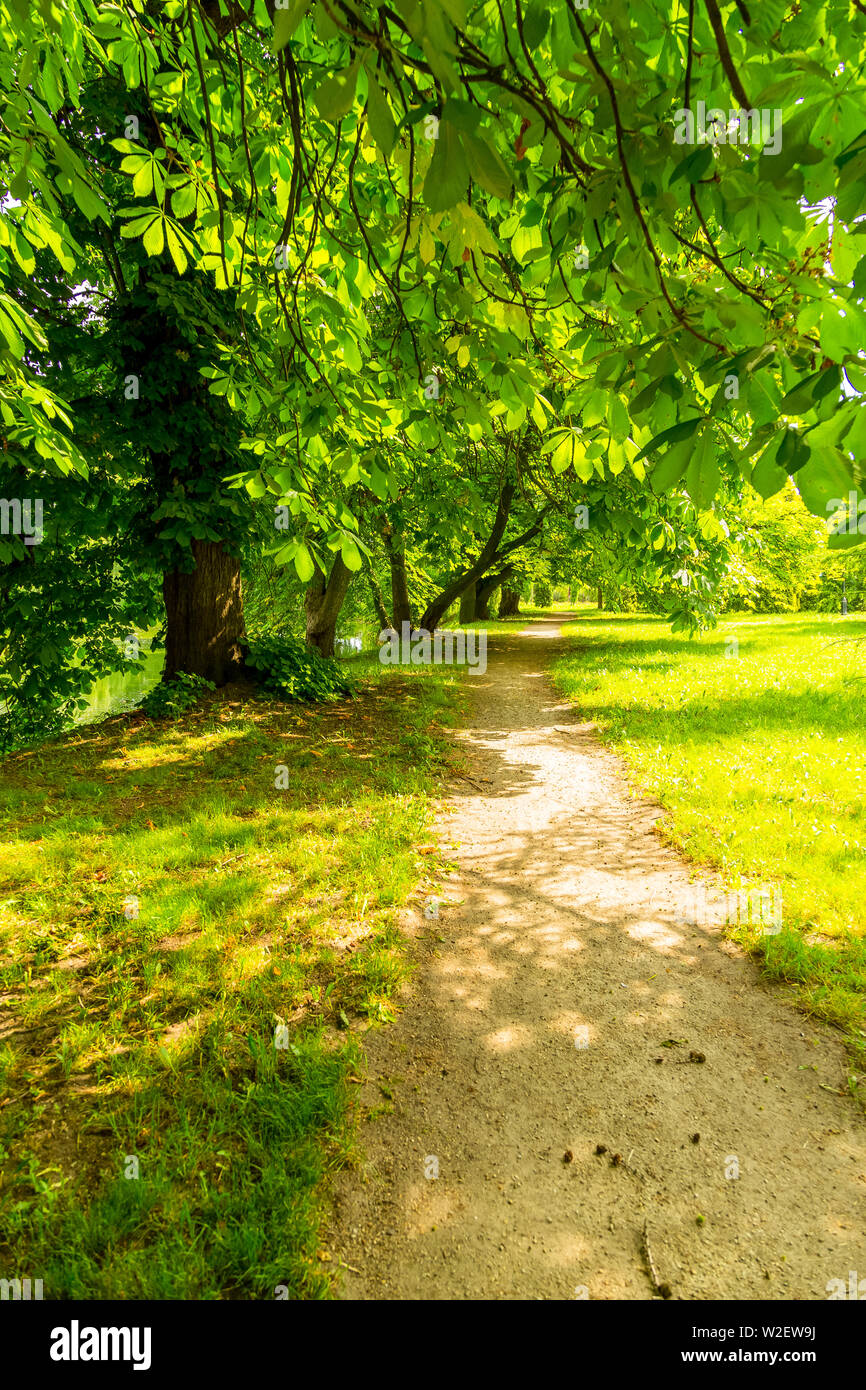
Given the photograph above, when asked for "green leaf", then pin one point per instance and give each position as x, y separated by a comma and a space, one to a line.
350, 553
448, 175
684, 430
535, 24
702, 473
800, 399
287, 17
336, 95
153, 238
810, 391
826, 477
142, 182
304, 566
671, 468
325, 27
351, 352
378, 483
767, 477
562, 454
456, 12
828, 381
89, 202
485, 166
23, 252
10, 333
644, 398
695, 165
758, 441
842, 330
383, 127
178, 254
464, 114
183, 200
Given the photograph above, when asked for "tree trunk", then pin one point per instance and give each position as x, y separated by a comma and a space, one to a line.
378, 599
491, 554
509, 602
482, 603
434, 611
322, 603
204, 613
600, 597
468, 603
401, 610
485, 589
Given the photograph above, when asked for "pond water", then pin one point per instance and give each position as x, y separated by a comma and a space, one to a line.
122, 691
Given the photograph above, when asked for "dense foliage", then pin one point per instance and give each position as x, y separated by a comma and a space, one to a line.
388, 294
288, 669
174, 697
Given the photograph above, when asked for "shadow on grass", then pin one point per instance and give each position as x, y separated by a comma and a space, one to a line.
187, 968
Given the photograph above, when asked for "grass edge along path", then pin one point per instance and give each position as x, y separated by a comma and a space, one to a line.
751, 740
189, 958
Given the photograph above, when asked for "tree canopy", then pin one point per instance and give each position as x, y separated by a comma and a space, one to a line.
439, 270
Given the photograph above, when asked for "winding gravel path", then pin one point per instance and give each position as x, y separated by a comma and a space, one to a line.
532, 1035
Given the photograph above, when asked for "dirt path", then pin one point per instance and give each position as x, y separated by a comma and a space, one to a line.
564, 917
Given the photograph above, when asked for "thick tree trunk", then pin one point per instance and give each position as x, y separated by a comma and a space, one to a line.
468, 608
400, 606
485, 589
322, 603
509, 603
401, 610
204, 616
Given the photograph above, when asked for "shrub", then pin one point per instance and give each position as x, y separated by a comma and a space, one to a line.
290, 670
541, 594
171, 698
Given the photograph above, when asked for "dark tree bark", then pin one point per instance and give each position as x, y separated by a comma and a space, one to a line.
468, 603
482, 601
509, 602
440, 605
485, 589
378, 599
401, 609
491, 554
204, 616
322, 603
600, 597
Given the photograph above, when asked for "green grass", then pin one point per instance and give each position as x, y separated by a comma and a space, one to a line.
759, 757
148, 1042
495, 626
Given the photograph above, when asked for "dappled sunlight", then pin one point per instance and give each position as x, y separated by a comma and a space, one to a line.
656, 934
151, 947
508, 1038
593, 1021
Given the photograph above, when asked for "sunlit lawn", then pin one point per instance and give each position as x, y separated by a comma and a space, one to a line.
164, 909
752, 737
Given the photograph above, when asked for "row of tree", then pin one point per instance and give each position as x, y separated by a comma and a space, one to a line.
433, 286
